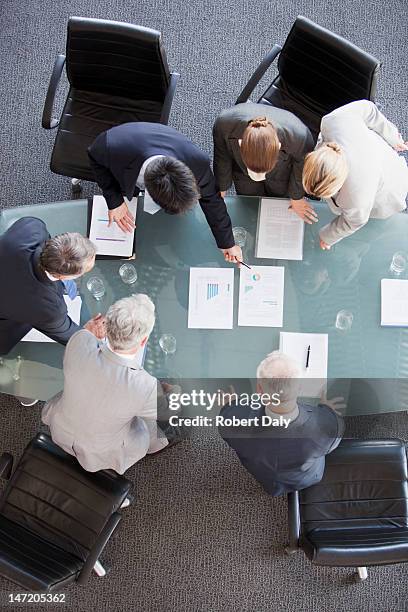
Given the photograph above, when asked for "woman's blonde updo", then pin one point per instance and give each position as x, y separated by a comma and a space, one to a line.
260, 145
325, 170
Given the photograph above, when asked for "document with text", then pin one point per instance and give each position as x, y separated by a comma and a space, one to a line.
110, 241
280, 231
261, 291
74, 312
394, 302
211, 298
311, 353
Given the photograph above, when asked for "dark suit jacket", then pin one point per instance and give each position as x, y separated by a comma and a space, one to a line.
28, 297
284, 460
118, 154
295, 138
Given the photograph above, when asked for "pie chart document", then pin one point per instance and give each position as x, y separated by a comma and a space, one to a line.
211, 298
261, 291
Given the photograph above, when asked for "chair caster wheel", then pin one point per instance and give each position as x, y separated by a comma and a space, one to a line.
290, 551
76, 185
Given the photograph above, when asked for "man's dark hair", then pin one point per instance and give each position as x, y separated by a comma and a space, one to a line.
171, 184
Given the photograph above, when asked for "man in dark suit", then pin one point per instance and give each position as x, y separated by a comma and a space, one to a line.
36, 270
289, 455
133, 157
262, 149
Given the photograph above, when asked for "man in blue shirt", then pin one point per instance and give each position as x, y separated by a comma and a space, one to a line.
286, 457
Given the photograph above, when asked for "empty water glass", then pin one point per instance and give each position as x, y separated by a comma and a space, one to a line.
344, 320
96, 287
128, 273
168, 344
398, 263
240, 236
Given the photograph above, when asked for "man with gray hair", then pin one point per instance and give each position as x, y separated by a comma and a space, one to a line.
283, 458
106, 415
36, 270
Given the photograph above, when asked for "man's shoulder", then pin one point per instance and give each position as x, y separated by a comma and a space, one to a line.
30, 228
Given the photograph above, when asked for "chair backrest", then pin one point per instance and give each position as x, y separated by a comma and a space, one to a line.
116, 58
323, 70
52, 496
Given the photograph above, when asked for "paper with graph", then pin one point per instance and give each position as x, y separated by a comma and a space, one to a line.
211, 298
110, 240
261, 296
280, 231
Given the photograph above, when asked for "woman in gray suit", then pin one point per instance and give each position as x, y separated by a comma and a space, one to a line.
262, 149
357, 169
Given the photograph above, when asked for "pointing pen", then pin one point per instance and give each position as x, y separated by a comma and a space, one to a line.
308, 356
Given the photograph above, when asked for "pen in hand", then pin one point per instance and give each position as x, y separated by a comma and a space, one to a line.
244, 264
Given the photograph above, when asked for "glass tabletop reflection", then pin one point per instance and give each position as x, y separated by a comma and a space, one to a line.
324, 293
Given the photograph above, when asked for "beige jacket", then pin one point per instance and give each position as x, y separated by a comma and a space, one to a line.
377, 182
106, 414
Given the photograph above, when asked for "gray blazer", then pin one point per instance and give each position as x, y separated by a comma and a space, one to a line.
106, 414
295, 138
377, 182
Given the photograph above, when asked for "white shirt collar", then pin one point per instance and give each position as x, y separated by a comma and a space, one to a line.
140, 179
52, 278
129, 357
288, 415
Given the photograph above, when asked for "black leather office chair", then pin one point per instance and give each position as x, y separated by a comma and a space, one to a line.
55, 518
117, 73
318, 72
358, 514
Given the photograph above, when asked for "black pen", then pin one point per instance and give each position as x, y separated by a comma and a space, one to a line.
244, 264
307, 356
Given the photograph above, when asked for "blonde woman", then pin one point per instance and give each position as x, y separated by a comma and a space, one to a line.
357, 169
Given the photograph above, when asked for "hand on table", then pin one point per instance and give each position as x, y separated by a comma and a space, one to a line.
96, 326
304, 210
337, 403
222, 194
122, 216
324, 246
233, 255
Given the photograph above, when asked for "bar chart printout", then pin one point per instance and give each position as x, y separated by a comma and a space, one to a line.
211, 295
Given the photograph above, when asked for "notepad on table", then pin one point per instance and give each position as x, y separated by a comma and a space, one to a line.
110, 240
280, 231
394, 302
296, 346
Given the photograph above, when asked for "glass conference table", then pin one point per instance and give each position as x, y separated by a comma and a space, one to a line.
368, 364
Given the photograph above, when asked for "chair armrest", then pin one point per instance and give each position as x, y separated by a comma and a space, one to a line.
6, 465
168, 100
293, 520
98, 547
258, 74
47, 121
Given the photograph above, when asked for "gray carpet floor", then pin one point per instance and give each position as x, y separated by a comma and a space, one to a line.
202, 536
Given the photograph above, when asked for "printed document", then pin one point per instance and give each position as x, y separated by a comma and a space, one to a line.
211, 298
297, 346
261, 296
110, 240
280, 231
394, 302
74, 312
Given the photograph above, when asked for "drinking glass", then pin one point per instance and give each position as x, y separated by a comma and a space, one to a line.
398, 263
128, 273
96, 287
240, 236
344, 320
168, 344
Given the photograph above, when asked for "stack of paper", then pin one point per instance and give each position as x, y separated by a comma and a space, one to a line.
394, 302
261, 296
74, 312
297, 345
280, 231
110, 240
211, 295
